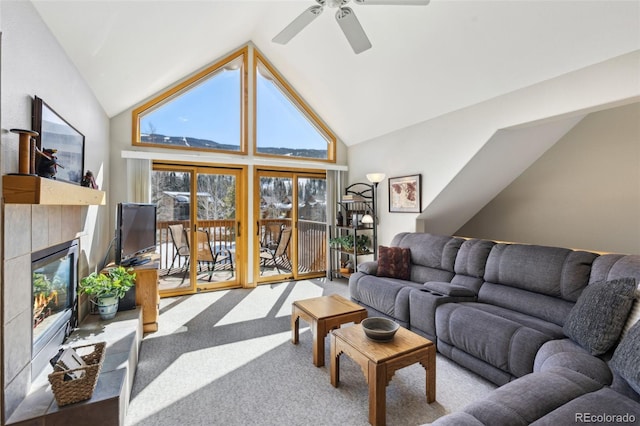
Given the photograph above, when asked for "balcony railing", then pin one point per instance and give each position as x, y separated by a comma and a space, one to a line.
222, 233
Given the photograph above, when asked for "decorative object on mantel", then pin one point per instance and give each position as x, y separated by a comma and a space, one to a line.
405, 194
107, 288
89, 181
47, 163
25, 151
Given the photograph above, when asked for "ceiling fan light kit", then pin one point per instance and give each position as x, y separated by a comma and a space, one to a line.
345, 17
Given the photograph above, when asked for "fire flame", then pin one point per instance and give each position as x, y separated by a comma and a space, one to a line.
40, 303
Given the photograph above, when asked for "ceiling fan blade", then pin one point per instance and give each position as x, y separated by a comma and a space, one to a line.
298, 24
352, 30
394, 2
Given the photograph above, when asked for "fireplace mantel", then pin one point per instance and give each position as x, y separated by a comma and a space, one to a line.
24, 189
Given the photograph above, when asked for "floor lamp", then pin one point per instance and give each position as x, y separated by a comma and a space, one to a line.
375, 179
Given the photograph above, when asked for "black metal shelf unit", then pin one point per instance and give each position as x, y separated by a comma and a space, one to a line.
350, 238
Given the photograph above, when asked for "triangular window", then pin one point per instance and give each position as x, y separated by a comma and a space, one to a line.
285, 125
203, 113
208, 112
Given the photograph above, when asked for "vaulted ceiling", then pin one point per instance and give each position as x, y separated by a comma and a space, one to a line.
425, 60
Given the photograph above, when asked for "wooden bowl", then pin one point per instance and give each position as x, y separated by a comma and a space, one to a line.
379, 329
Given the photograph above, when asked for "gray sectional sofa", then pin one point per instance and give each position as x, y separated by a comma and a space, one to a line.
544, 323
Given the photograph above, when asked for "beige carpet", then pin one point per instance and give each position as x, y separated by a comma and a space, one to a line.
225, 358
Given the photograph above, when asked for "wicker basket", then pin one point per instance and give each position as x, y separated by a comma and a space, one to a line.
70, 391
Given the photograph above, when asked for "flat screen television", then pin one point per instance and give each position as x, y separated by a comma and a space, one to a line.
135, 232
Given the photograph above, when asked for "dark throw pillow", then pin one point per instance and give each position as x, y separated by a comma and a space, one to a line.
394, 262
596, 320
626, 358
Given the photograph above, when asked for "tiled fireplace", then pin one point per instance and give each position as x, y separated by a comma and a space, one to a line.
54, 277
30, 229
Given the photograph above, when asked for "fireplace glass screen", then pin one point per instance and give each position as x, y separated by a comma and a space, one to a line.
53, 281
50, 293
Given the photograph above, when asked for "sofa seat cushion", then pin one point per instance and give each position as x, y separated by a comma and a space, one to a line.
531, 397
389, 296
545, 327
504, 339
566, 353
603, 407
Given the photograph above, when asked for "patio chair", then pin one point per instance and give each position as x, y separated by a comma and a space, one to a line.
181, 245
277, 252
211, 257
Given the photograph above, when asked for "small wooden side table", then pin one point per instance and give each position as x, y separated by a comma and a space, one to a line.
323, 314
380, 360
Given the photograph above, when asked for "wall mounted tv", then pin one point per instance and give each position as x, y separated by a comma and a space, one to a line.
135, 232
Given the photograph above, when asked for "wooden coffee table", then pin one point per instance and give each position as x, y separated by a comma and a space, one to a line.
380, 360
323, 314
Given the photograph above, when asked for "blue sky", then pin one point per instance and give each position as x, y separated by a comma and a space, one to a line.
210, 111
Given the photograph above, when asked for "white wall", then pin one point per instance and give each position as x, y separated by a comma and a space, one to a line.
440, 148
33, 63
582, 193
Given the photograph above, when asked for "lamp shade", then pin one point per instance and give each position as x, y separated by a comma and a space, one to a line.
375, 177
367, 218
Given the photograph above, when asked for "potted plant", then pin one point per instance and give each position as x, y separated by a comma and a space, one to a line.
107, 288
347, 242
342, 242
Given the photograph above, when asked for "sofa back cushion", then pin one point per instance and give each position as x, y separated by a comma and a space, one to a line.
537, 280
554, 271
471, 262
432, 256
614, 266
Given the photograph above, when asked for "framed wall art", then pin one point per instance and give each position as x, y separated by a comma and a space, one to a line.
405, 194
60, 145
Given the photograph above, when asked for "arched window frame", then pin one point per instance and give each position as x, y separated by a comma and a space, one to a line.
247, 96
259, 59
187, 84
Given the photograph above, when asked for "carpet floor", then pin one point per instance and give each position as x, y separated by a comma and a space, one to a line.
226, 358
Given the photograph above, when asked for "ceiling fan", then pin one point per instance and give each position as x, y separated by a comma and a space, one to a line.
346, 19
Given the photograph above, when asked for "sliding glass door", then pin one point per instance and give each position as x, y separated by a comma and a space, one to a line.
199, 211
290, 237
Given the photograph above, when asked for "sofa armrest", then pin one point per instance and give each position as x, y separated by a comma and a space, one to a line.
369, 268
449, 289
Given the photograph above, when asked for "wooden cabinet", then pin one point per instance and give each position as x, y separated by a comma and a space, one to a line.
147, 295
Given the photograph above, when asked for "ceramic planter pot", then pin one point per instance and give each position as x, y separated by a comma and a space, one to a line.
107, 307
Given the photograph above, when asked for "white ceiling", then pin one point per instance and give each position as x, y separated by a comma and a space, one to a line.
425, 60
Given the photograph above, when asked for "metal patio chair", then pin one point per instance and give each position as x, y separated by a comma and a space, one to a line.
277, 252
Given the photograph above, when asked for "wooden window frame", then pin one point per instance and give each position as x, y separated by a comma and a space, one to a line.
258, 58
192, 82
